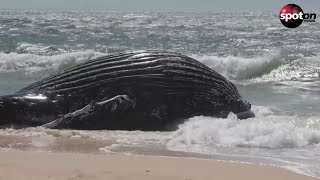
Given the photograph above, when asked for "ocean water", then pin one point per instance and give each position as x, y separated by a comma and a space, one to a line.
275, 68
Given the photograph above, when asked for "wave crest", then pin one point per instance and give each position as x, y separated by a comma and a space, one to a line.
242, 68
304, 68
31, 63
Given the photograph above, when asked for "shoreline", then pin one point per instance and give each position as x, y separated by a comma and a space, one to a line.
73, 166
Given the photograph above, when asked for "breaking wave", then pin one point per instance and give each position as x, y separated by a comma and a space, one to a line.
268, 68
301, 69
32, 63
266, 130
242, 68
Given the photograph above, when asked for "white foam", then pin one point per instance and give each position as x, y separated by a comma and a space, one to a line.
38, 49
31, 63
264, 131
240, 67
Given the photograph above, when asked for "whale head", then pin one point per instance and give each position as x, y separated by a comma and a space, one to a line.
242, 109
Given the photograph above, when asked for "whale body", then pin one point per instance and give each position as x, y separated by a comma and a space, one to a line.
137, 90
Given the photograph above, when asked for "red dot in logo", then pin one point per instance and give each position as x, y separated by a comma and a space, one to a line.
291, 15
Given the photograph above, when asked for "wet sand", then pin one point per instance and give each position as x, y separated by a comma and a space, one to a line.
73, 166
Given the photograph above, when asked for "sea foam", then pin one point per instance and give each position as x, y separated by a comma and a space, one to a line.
32, 63
266, 130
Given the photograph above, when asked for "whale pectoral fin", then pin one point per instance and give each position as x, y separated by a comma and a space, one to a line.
117, 103
53, 124
91, 112
65, 119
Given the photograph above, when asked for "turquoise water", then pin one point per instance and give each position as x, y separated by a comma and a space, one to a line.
275, 68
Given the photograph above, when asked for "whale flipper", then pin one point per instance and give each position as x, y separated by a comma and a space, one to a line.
117, 104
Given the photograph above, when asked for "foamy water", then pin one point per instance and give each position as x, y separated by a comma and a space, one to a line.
275, 68
269, 138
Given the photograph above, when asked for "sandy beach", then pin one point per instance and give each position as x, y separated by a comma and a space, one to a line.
72, 166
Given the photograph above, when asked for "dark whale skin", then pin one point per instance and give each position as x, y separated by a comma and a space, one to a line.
138, 90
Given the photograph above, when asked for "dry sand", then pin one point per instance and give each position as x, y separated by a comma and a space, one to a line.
68, 166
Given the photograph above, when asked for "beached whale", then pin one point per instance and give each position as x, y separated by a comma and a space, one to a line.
140, 90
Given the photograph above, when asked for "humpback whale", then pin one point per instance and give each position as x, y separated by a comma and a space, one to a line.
136, 90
